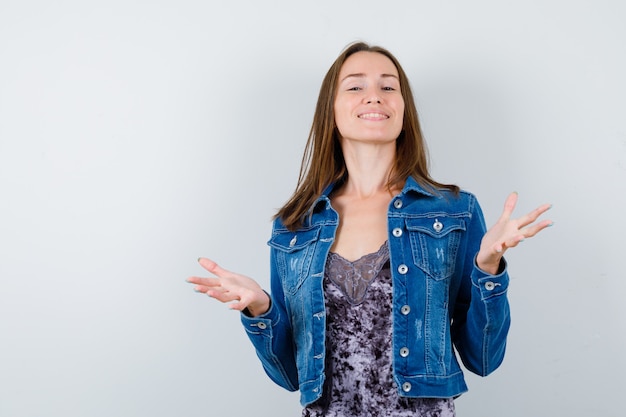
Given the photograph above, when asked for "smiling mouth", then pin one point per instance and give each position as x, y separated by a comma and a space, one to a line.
374, 116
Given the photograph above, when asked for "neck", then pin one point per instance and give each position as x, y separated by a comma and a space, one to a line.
369, 167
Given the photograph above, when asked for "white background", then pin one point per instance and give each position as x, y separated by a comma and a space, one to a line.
136, 136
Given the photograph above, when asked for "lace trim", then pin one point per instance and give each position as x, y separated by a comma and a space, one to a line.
355, 277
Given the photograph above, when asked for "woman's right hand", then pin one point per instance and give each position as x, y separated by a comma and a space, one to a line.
240, 291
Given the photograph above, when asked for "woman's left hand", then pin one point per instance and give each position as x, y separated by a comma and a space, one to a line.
507, 233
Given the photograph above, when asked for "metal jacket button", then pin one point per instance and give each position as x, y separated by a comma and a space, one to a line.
262, 325
397, 232
404, 352
489, 286
403, 269
397, 204
437, 226
405, 310
406, 387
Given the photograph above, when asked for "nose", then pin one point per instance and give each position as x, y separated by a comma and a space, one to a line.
372, 99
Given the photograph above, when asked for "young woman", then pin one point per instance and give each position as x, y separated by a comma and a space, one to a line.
377, 270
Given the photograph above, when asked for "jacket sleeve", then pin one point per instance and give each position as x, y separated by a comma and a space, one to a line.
271, 335
481, 318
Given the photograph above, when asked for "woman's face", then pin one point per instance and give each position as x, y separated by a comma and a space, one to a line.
368, 104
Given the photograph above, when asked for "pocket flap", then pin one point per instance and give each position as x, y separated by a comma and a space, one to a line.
288, 241
435, 226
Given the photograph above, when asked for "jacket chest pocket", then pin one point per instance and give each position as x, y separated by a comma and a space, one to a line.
294, 252
435, 243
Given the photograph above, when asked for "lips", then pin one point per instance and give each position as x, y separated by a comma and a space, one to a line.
373, 116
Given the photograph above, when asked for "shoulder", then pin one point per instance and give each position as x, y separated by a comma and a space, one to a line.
278, 225
440, 200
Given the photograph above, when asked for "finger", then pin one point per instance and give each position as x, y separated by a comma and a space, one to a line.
514, 241
213, 267
511, 242
222, 295
207, 282
240, 304
206, 289
533, 230
533, 215
498, 248
501, 247
509, 206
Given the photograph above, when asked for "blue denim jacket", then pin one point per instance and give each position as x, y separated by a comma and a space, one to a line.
440, 297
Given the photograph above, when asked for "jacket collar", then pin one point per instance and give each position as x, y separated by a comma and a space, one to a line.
410, 185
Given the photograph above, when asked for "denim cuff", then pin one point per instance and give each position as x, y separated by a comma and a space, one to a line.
261, 322
491, 285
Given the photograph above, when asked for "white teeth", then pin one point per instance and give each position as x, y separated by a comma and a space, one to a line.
374, 116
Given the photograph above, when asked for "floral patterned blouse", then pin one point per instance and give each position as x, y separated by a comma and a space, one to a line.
359, 378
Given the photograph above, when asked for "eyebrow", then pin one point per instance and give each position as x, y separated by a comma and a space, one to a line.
362, 75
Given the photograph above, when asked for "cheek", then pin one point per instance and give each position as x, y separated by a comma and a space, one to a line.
342, 115
401, 114
401, 107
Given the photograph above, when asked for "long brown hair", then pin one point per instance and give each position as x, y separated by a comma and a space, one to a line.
323, 163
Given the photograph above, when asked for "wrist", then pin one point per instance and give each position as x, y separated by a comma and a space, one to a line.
257, 308
490, 268
489, 264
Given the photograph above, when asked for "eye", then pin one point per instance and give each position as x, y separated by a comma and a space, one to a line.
389, 89
355, 88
